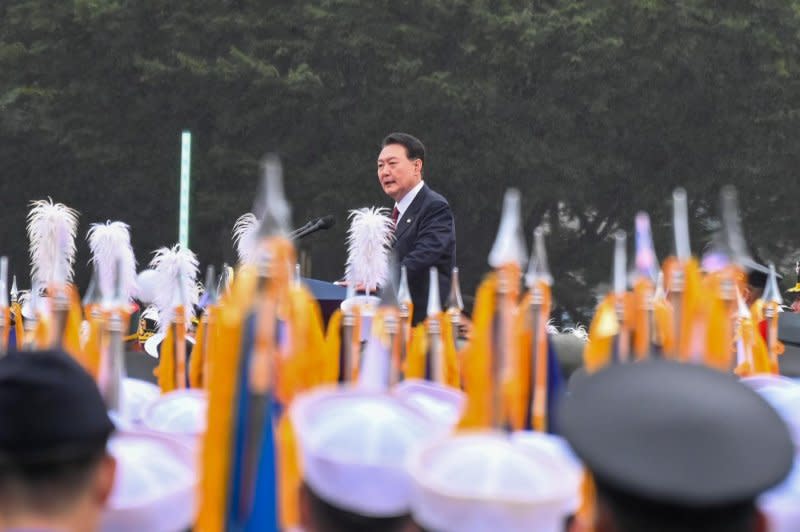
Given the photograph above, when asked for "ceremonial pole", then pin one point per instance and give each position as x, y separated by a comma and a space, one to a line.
620, 289
4, 309
183, 202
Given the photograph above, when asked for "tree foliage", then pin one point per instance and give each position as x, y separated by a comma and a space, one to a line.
594, 109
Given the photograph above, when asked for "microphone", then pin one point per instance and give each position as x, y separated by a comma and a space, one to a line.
304, 227
326, 222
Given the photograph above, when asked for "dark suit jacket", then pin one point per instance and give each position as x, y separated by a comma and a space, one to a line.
426, 236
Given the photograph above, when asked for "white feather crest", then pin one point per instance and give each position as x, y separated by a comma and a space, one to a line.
579, 332
145, 285
173, 266
51, 233
245, 236
111, 243
369, 241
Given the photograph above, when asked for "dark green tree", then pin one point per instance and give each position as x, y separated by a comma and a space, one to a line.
595, 110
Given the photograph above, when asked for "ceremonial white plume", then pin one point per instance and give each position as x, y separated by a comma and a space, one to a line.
245, 236
146, 286
51, 232
175, 284
578, 332
369, 241
111, 245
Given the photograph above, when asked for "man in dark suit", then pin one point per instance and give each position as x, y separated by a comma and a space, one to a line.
425, 232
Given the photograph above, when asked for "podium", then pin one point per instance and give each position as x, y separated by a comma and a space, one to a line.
328, 295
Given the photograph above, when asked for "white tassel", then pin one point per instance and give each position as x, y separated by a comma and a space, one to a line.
369, 241
51, 232
111, 244
245, 236
174, 265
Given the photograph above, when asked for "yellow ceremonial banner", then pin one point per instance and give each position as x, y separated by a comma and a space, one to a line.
642, 325
523, 392
757, 310
180, 347
418, 349
719, 336
603, 330
714, 311
299, 366
691, 318
406, 323
197, 358
757, 357
72, 329
302, 367
93, 349
42, 334
774, 345
19, 328
224, 359
355, 345
761, 361
414, 367
7, 328
452, 367
289, 475
477, 358
333, 347
664, 323
165, 372
304, 363
519, 388
539, 421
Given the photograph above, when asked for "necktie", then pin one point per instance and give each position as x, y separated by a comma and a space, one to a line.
395, 214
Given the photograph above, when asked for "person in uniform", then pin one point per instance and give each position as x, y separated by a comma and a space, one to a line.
487, 482
425, 234
675, 447
354, 445
55, 471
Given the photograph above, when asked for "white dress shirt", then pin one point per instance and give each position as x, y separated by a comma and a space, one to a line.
405, 201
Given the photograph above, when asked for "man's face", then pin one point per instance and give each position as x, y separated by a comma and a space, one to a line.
397, 173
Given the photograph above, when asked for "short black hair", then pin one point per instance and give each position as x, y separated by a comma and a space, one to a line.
50, 486
329, 518
631, 513
414, 147
54, 427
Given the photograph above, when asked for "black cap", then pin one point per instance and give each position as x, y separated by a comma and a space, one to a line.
676, 434
50, 409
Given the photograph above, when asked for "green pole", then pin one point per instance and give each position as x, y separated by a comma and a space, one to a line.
186, 162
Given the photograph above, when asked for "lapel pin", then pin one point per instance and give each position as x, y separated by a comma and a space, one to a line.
408, 220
